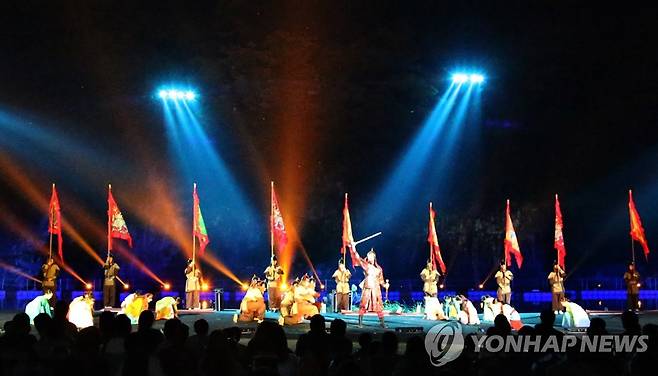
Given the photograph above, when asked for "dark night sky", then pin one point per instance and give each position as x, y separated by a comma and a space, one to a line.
578, 86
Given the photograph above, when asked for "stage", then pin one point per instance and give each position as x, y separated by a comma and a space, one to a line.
404, 325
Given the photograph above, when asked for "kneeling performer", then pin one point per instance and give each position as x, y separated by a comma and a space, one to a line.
252, 306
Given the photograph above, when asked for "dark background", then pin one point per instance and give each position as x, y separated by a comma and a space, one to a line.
335, 91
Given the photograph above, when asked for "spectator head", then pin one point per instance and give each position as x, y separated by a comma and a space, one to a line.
201, 327
502, 325
415, 347
21, 324
317, 324
122, 326
630, 321
596, 326
365, 340
43, 324
171, 329
338, 328
390, 343
145, 321
61, 310
547, 317
106, 323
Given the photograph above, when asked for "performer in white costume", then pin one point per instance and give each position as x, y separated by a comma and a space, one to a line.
468, 315
433, 309
574, 315
81, 311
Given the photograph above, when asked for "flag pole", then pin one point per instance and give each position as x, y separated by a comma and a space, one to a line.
271, 219
430, 243
630, 195
194, 219
344, 248
50, 230
109, 218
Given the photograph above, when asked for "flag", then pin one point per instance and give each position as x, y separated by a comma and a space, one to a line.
199, 226
434, 243
55, 221
559, 238
511, 242
278, 229
348, 238
637, 231
116, 225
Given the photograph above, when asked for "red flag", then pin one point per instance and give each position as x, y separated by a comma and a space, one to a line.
199, 226
559, 238
348, 238
434, 243
278, 229
637, 231
511, 242
116, 225
55, 221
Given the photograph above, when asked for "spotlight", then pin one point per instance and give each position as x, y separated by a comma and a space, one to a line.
89, 286
166, 286
190, 96
480, 286
321, 287
459, 78
476, 78
245, 286
441, 286
172, 94
163, 94
639, 284
126, 286
204, 287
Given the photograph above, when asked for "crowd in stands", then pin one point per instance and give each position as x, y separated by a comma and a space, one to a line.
53, 346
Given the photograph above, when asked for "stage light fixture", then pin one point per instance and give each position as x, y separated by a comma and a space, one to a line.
175, 94
126, 286
472, 78
89, 286
459, 78
476, 78
166, 286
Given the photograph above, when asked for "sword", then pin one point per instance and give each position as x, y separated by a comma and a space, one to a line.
367, 238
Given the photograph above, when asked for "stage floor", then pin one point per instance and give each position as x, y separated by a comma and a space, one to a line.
405, 325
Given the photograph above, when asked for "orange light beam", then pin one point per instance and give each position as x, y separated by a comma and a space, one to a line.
211, 260
137, 262
15, 270
29, 190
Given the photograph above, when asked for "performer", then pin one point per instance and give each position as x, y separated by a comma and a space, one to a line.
430, 277
167, 308
468, 315
192, 285
504, 279
492, 308
305, 297
111, 272
433, 309
289, 314
81, 311
49, 273
371, 296
632, 279
252, 306
342, 278
273, 275
39, 305
556, 280
574, 315
133, 305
